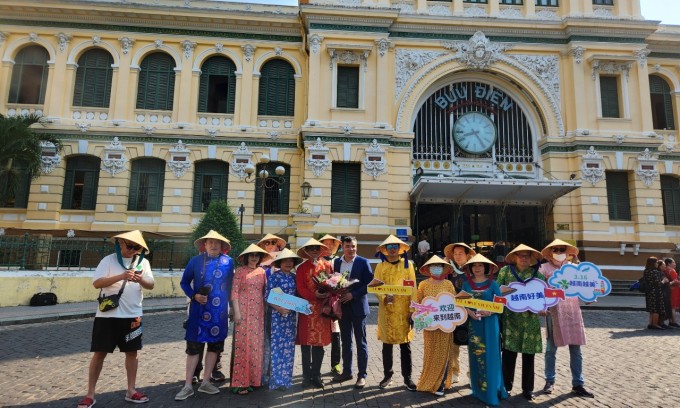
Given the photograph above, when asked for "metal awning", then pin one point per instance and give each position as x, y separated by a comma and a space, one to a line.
490, 191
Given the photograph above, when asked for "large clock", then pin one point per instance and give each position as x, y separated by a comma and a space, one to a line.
474, 133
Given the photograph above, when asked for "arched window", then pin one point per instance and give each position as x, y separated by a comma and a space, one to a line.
276, 195
156, 88
14, 186
93, 79
210, 183
662, 103
81, 183
29, 76
670, 196
277, 89
146, 185
217, 91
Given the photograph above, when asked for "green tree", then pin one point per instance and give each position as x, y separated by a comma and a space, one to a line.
21, 152
220, 218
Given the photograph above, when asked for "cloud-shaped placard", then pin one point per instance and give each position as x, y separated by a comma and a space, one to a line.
438, 313
535, 296
584, 281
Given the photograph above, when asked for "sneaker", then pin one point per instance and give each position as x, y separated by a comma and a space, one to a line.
410, 385
439, 392
342, 378
528, 395
361, 383
454, 379
385, 382
186, 392
208, 388
217, 376
582, 392
549, 387
336, 369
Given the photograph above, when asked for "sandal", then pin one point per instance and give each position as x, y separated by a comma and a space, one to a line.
240, 390
137, 398
87, 402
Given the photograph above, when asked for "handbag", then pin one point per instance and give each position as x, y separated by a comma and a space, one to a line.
43, 299
460, 335
110, 302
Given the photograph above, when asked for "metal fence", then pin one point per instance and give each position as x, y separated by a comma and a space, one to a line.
44, 252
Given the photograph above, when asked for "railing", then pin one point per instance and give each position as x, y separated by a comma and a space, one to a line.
43, 252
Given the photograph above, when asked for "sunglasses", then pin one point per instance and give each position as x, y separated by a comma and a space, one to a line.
313, 248
269, 242
559, 250
133, 246
391, 246
524, 255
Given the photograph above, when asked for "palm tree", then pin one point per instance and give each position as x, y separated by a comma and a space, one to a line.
20, 152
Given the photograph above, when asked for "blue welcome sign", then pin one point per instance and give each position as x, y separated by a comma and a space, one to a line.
290, 302
583, 280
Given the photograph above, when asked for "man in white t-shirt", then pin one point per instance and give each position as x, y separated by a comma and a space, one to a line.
423, 249
126, 270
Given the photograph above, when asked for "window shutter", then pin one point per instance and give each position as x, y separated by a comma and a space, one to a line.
670, 195
90, 190
198, 182
155, 192
348, 87
609, 95
29, 76
67, 193
277, 89
156, 87
21, 193
618, 196
346, 188
134, 191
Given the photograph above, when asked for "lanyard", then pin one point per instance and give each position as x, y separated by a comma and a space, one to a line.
517, 278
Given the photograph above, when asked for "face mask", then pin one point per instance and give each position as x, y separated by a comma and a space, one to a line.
560, 257
436, 271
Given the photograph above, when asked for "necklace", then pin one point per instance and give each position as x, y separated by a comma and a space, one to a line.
484, 286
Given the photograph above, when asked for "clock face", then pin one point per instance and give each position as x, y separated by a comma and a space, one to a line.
474, 133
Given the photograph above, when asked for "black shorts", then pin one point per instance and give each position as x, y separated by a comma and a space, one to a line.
196, 347
109, 332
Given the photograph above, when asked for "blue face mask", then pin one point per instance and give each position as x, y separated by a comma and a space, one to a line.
436, 271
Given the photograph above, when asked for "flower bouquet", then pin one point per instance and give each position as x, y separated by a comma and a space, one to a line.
336, 284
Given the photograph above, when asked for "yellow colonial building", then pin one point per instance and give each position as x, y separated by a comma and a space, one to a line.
492, 122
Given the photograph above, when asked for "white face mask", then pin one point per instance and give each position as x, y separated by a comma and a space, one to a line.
436, 271
560, 257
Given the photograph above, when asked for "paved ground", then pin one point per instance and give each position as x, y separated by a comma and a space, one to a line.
45, 365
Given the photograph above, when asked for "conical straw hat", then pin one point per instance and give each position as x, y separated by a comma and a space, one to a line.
448, 250
287, 254
213, 235
280, 242
479, 258
435, 260
253, 249
132, 236
336, 243
511, 258
311, 242
403, 246
547, 251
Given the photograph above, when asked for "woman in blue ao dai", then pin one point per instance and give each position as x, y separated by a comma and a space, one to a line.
484, 348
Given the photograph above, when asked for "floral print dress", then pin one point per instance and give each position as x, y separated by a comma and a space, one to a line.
283, 331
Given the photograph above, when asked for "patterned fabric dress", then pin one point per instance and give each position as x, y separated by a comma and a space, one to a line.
521, 331
484, 349
393, 324
248, 291
654, 296
313, 329
675, 289
283, 331
565, 319
438, 344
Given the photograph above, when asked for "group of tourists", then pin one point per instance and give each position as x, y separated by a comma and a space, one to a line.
265, 334
662, 293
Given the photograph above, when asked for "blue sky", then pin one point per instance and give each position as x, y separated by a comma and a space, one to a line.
668, 11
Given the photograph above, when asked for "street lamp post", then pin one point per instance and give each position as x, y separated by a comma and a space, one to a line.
265, 182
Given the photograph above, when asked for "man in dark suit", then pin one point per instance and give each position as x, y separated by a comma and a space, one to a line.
354, 311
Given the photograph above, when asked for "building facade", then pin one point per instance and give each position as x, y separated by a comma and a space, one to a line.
489, 121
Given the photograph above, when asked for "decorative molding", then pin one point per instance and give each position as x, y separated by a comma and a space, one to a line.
439, 9
212, 132
318, 157
315, 41
669, 145
383, 45
70, 233
546, 14
347, 129
32, 37
49, 158
241, 158
114, 158
63, 40
408, 62
641, 56
248, 51
374, 162
158, 43
179, 161
511, 12
476, 53
604, 13
278, 51
545, 67
84, 127
619, 138
188, 48
126, 44
348, 57
219, 47
96, 40
148, 129
577, 52
611, 67
475, 11
592, 167
273, 135
647, 167
3, 37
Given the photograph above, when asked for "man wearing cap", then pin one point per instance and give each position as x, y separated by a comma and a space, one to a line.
125, 272
354, 311
564, 323
333, 244
394, 312
521, 330
207, 282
